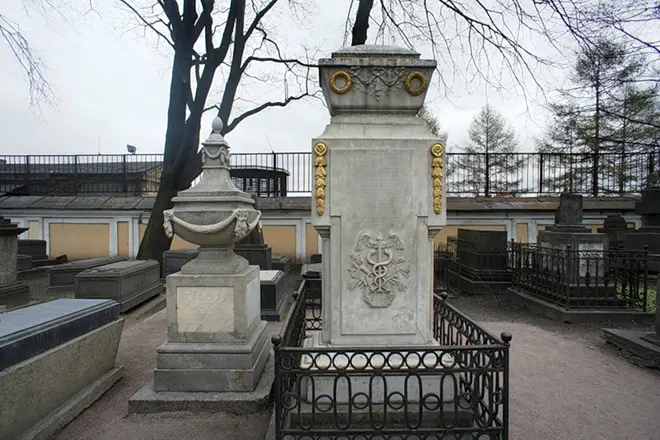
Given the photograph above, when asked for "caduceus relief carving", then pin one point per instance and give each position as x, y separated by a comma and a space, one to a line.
377, 268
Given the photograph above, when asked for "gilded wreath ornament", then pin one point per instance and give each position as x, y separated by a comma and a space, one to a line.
347, 79
423, 82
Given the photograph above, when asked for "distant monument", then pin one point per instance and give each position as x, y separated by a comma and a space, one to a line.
649, 209
616, 228
12, 292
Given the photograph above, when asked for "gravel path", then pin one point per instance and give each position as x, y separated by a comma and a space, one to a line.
566, 383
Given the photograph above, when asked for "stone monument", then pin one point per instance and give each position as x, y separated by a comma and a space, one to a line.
649, 209
616, 229
216, 341
253, 248
378, 199
12, 292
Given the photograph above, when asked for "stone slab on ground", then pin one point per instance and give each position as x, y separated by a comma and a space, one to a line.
577, 315
63, 276
33, 390
146, 400
14, 294
130, 283
281, 262
643, 346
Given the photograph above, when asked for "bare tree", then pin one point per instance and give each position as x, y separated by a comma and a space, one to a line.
40, 90
208, 38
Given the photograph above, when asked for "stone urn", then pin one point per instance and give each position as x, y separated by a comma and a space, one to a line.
213, 214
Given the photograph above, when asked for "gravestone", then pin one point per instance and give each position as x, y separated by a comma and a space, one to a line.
616, 228
281, 262
34, 248
274, 297
649, 209
378, 202
253, 248
56, 358
311, 273
23, 262
129, 283
63, 276
569, 234
173, 260
316, 258
482, 262
13, 293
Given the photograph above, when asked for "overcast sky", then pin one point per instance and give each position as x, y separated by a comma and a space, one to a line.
112, 84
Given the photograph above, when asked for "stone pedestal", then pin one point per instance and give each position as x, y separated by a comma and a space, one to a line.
378, 199
216, 340
12, 292
130, 283
173, 260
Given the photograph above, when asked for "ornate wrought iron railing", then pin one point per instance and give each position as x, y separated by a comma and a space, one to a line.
573, 278
458, 389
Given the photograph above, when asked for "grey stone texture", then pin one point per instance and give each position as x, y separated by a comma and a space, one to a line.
38, 387
130, 283
616, 229
23, 262
63, 276
281, 262
649, 233
34, 248
13, 293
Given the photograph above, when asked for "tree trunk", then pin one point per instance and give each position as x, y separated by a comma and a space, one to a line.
361, 24
155, 242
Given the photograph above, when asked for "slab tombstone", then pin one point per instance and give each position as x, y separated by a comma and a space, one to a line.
63, 276
34, 248
129, 283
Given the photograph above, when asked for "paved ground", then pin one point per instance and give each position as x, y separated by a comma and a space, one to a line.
565, 384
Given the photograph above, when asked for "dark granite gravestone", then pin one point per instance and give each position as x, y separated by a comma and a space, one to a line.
481, 262
316, 258
63, 276
253, 248
23, 262
130, 283
56, 359
274, 298
616, 229
13, 293
173, 260
649, 209
311, 273
34, 248
281, 262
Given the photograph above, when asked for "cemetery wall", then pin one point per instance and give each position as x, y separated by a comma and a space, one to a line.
287, 229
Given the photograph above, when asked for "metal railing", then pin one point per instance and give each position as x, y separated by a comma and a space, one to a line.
488, 175
573, 278
459, 388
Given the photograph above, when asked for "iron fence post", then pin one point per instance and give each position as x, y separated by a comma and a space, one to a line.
487, 183
27, 174
541, 166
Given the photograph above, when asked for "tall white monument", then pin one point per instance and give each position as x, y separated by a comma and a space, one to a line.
378, 198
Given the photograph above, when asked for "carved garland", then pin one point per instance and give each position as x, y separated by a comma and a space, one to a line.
320, 163
437, 151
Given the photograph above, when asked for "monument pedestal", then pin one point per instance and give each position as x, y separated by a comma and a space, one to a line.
216, 338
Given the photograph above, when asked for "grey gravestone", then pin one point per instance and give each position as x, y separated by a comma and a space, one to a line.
12, 292
30, 331
616, 228
253, 248
311, 273
568, 216
316, 258
274, 298
23, 262
173, 260
130, 283
34, 248
63, 276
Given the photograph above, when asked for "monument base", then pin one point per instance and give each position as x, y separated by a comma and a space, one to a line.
147, 400
212, 367
274, 298
644, 347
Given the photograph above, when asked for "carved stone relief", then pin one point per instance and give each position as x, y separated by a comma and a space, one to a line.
378, 268
376, 80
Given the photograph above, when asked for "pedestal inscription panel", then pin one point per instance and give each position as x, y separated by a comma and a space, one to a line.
205, 309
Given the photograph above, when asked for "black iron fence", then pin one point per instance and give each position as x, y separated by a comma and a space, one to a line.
458, 389
574, 278
488, 175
